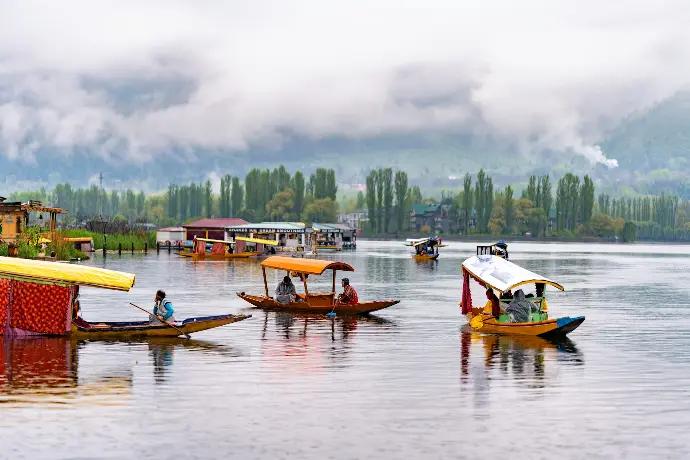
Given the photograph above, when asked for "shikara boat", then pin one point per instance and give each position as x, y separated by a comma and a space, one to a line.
496, 273
127, 330
311, 302
37, 298
425, 248
220, 249
499, 249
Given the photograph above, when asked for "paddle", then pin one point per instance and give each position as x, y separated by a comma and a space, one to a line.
162, 321
477, 322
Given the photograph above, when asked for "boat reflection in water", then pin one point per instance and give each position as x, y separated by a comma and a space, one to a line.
524, 359
162, 351
314, 342
45, 370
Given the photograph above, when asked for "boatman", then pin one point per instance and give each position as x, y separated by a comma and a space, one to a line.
162, 308
349, 295
502, 249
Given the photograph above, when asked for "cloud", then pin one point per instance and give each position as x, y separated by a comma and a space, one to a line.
132, 81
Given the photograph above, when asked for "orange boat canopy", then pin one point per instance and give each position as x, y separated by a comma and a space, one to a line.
310, 266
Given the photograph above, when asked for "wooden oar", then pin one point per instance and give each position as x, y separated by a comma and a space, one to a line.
477, 322
162, 321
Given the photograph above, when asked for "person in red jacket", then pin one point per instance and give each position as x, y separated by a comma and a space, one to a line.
349, 295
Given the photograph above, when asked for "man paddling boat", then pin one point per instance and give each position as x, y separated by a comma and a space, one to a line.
163, 308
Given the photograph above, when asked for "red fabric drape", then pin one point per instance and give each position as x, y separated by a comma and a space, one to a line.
466, 294
4, 300
218, 248
40, 308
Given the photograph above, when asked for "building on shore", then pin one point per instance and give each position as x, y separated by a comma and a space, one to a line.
335, 236
15, 217
170, 235
434, 216
213, 228
291, 236
355, 220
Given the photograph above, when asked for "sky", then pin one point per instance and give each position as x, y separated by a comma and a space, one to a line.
133, 80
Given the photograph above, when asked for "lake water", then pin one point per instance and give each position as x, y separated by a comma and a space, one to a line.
407, 383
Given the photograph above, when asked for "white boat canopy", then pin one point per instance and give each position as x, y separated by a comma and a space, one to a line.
499, 274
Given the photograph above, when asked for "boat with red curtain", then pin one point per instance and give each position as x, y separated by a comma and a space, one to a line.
520, 314
311, 302
220, 250
38, 297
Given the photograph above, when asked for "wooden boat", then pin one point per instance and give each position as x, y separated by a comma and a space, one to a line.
37, 298
135, 329
221, 250
310, 302
425, 248
499, 249
500, 275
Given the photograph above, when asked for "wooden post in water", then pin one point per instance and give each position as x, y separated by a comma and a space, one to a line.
146, 247
132, 247
119, 249
158, 247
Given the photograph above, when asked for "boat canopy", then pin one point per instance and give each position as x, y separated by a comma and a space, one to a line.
55, 272
416, 241
209, 240
257, 240
310, 266
499, 274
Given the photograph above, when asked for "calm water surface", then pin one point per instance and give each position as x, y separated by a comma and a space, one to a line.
407, 383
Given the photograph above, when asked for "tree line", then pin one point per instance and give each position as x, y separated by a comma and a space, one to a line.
273, 195
479, 207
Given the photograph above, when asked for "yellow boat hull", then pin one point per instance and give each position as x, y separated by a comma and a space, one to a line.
141, 329
425, 257
549, 328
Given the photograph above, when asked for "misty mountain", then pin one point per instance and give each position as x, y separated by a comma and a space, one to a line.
652, 148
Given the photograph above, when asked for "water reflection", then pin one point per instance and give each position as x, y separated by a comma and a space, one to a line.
162, 351
314, 342
45, 370
523, 359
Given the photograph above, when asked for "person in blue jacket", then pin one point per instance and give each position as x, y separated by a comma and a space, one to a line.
162, 308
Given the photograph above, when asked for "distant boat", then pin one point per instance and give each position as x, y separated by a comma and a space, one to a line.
425, 248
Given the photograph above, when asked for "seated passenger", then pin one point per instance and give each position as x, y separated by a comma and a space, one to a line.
76, 310
285, 292
520, 309
349, 295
